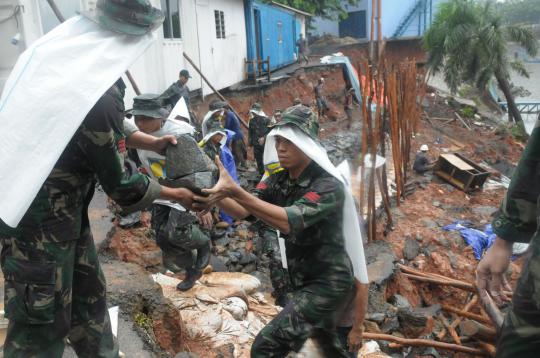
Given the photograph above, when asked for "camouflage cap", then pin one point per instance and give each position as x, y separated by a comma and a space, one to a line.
131, 17
303, 118
149, 105
257, 110
217, 104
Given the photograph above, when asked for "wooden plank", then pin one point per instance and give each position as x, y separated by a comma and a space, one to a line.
457, 162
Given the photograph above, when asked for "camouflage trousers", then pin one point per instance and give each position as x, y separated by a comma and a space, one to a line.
279, 276
55, 290
311, 313
258, 153
177, 235
520, 336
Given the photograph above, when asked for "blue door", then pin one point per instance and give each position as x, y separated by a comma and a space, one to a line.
354, 25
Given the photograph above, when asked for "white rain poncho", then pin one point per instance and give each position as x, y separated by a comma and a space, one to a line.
351, 225
51, 89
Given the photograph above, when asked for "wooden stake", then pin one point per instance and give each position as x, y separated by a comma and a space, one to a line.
423, 343
464, 313
213, 88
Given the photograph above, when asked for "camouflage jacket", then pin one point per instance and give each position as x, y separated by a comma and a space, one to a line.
258, 128
518, 218
315, 247
60, 207
172, 95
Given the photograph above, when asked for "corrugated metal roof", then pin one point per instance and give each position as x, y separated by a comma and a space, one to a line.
291, 8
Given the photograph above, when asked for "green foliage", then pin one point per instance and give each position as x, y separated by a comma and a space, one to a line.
142, 320
519, 133
520, 11
328, 9
468, 112
468, 43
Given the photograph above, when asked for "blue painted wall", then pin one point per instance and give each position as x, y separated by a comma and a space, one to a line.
394, 12
279, 30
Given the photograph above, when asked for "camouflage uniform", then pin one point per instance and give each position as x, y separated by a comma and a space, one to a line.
177, 231
172, 95
519, 222
269, 250
54, 286
258, 128
319, 268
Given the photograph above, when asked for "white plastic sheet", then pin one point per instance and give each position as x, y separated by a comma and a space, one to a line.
351, 226
52, 87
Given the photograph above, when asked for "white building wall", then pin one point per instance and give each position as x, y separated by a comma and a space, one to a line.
221, 60
331, 27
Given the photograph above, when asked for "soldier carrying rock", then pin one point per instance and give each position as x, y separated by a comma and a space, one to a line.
312, 208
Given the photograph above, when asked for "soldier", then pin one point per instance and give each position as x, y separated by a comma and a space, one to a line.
54, 286
178, 231
517, 221
258, 129
214, 140
310, 207
177, 90
322, 105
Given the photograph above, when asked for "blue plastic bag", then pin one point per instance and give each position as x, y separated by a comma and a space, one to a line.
478, 240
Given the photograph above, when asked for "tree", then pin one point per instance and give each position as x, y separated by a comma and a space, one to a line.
468, 43
520, 11
328, 9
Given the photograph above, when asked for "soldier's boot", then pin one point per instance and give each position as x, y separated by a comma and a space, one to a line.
191, 277
203, 257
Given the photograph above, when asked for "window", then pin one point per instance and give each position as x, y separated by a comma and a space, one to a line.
171, 25
220, 24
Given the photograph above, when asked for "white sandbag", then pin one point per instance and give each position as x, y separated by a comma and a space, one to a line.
51, 89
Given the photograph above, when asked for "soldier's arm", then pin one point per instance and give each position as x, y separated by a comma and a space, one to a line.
517, 220
237, 202
515, 223
99, 134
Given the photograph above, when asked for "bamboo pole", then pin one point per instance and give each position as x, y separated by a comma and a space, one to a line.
61, 18
213, 88
423, 343
457, 321
450, 329
466, 314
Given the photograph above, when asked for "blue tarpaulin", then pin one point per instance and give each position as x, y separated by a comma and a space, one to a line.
478, 240
227, 159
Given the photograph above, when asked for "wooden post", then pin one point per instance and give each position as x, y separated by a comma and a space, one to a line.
268, 69
61, 18
213, 88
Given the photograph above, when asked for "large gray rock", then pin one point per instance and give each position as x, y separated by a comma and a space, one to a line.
411, 249
188, 166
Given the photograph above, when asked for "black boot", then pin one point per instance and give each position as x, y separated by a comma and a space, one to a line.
203, 257
191, 277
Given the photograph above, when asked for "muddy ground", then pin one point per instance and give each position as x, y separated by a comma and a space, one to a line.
417, 238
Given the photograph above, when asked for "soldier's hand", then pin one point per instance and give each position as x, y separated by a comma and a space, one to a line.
354, 340
261, 141
223, 189
161, 143
181, 195
206, 220
491, 269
